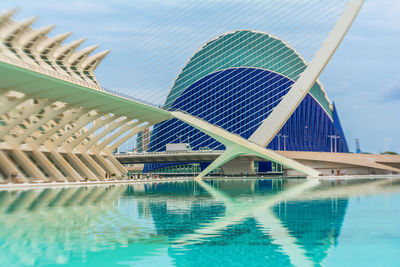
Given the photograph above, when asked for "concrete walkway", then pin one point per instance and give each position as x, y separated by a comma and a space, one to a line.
11, 186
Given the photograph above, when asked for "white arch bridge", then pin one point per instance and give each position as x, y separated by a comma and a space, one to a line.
58, 124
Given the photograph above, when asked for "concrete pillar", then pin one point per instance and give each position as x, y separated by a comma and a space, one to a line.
28, 165
55, 174
98, 170
82, 167
8, 167
108, 166
73, 175
116, 163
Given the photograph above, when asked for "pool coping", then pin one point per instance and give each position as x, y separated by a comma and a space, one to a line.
12, 186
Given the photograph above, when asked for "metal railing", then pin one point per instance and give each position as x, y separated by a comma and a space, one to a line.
131, 98
193, 152
67, 78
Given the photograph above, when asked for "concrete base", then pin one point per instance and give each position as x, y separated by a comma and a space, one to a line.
338, 169
74, 167
238, 167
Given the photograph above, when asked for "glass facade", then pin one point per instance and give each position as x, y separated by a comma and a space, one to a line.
238, 99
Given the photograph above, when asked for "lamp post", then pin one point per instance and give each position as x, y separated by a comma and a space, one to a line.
284, 141
336, 137
331, 137
279, 141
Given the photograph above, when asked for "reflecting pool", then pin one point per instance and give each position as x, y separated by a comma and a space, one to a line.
210, 223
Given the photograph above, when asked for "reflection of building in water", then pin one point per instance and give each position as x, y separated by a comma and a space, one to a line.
67, 225
315, 225
220, 222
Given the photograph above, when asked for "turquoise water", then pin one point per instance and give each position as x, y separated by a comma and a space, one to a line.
213, 223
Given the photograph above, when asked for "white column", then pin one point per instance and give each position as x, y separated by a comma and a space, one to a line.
282, 112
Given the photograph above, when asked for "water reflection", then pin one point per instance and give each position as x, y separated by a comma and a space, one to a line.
252, 222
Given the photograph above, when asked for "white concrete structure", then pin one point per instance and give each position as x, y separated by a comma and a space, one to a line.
55, 119
58, 124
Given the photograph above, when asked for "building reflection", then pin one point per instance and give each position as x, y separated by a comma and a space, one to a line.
263, 221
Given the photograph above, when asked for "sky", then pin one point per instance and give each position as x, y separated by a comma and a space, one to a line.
362, 78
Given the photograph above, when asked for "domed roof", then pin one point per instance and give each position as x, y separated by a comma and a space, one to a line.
245, 48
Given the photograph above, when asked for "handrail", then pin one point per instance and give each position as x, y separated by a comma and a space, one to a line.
132, 98
130, 154
67, 78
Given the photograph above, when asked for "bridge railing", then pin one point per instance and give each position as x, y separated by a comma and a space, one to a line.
91, 85
131, 98
130, 154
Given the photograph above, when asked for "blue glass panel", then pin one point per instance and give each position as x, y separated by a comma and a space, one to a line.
238, 100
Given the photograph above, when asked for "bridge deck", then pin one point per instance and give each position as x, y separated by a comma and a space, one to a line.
375, 161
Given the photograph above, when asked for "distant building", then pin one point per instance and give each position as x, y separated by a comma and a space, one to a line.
143, 140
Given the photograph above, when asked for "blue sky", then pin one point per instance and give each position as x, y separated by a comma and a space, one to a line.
363, 77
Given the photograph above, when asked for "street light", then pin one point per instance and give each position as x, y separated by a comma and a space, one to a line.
279, 141
334, 137
284, 141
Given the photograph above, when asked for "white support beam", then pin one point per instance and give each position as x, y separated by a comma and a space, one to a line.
230, 153
28, 165
111, 127
115, 162
121, 131
236, 146
7, 105
282, 112
68, 116
109, 167
78, 125
73, 175
49, 114
96, 125
27, 111
8, 166
56, 175
125, 138
82, 167
99, 171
